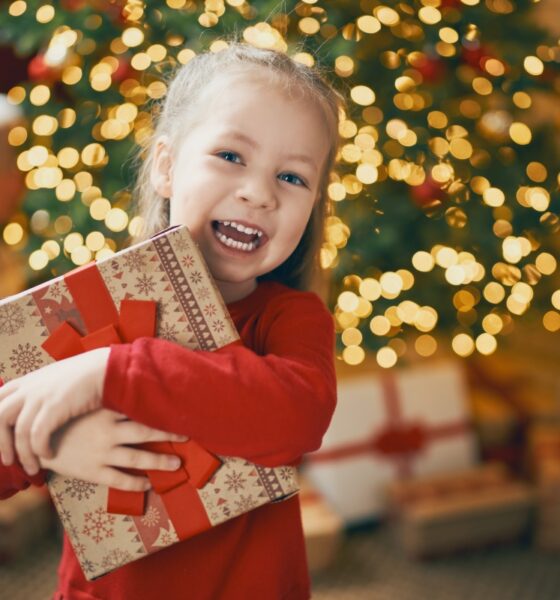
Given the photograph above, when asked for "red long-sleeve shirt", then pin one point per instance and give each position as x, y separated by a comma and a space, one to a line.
269, 400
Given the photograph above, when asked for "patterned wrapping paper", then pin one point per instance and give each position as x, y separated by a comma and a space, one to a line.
190, 311
414, 421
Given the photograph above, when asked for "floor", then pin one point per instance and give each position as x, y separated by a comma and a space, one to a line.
369, 566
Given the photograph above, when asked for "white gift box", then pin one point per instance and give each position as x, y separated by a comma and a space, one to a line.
392, 425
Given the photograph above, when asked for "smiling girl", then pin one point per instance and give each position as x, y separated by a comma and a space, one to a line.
241, 154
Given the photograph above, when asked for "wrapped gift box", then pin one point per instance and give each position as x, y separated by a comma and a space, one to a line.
25, 519
469, 509
544, 466
322, 528
391, 425
163, 288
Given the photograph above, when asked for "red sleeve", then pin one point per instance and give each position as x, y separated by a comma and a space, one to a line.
269, 407
14, 479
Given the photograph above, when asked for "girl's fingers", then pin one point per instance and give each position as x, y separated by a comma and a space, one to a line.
41, 434
46, 422
9, 410
22, 440
130, 432
123, 481
132, 458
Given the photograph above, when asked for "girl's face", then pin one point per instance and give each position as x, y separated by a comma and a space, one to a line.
245, 180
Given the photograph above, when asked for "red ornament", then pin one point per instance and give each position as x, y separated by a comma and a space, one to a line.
38, 70
427, 193
73, 5
123, 71
432, 70
476, 56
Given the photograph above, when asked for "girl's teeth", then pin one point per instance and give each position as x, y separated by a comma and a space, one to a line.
235, 244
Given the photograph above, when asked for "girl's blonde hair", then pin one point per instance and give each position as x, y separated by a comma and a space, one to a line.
183, 103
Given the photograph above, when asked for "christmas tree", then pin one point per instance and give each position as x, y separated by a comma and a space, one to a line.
446, 198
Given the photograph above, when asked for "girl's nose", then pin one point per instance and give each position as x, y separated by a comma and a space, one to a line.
258, 192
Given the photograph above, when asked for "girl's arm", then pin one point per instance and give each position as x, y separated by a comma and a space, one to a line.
269, 407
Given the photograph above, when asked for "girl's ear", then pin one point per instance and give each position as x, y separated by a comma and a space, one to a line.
161, 173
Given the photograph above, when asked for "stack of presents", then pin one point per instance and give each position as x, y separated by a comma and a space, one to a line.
455, 455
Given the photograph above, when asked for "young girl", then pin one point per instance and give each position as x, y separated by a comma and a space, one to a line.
241, 154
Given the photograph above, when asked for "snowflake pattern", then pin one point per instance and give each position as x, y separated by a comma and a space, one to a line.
210, 310
203, 293
196, 277
145, 284
235, 481
88, 566
218, 326
79, 549
134, 261
166, 537
168, 331
25, 358
151, 518
12, 319
187, 261
98, 525
245, 503
81, 490
116, 558
181, 243
286, 473
56, 291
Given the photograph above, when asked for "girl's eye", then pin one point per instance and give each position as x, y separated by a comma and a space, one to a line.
230, 156
291, 178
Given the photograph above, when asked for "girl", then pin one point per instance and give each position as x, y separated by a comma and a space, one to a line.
241, 154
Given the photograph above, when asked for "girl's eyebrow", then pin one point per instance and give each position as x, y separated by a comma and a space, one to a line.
239, 135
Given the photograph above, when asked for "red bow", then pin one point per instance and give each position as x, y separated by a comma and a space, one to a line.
106, 326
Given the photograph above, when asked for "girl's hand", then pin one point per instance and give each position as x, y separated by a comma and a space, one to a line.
91, 446
42, 401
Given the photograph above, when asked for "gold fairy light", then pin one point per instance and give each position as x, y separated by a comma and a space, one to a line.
353, 355
368, 24
348, 301
425, 345
486, 343
546, 263
17, 8
38, 260
362, 95
13, 234
533, 65
463, 344
380, 325
520, 133
423, 261
387, 16
429, 15
551, 321
51, 248
45, 13
386, 357
116, 219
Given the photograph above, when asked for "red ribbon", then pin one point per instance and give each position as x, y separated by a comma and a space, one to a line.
106, 326
397, 441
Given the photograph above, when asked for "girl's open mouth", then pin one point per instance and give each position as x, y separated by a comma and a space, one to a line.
239, 236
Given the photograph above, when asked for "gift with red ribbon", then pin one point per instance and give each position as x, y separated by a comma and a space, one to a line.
391, 426
117, 301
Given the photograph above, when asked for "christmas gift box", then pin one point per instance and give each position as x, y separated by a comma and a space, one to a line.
159, 287
392, 425
469, 509
25, 519
322, 528
544, 467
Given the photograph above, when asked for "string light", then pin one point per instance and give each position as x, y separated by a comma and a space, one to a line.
431, 235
